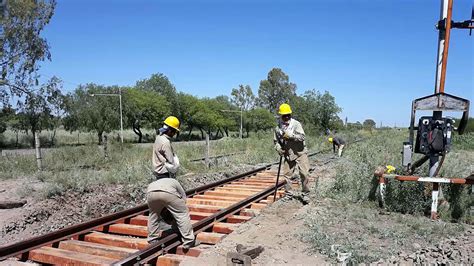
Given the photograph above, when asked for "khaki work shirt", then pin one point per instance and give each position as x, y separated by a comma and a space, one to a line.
163, 153
295, 146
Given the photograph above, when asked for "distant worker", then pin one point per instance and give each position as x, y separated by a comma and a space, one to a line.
289, 139
166, 198
339, 142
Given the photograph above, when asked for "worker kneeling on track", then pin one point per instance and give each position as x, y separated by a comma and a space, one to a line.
166, 197
289, 139
339, 142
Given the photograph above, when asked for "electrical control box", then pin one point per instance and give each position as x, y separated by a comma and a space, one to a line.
407, 150
433, 136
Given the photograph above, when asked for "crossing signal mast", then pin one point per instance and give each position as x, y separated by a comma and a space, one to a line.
433, 136
434, 132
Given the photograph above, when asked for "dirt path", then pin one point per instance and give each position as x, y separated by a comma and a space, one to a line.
277, 229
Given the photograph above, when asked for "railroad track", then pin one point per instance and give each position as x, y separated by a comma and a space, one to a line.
120, 238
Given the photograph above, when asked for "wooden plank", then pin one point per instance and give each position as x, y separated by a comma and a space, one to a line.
224, 228
211, 197
220, 203
245, 186
225, 193
257, 184
170, 260
56, 256
258, 206
96, 249
199, 215
204, 208
192, 252
235, 191
238, 219
249, 212
210, 238
126, 229
116, 240
240, 189
139, 220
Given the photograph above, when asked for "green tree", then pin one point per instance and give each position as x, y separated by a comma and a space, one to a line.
36, 107
243, 97
57, 104
259, 119
275, 90
22, 46
186, 109
317, 109
369, 124
94, 113
160, 84
145, 109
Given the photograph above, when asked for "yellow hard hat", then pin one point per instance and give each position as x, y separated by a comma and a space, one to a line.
390, 168
330, 140
284, 109
172, 121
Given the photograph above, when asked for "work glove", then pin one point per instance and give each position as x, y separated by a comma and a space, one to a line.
173, 168
281, 152
288, 135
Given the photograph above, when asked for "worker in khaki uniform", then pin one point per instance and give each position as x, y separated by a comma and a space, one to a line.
339, 143
166, 198
289, 139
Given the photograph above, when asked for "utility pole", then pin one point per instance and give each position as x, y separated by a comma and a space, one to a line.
444, 27
120, 102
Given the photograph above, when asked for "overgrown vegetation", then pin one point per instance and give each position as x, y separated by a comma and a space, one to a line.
355, 180
365, 235
77, 168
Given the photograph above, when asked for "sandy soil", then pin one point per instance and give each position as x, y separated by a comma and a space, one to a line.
276, 229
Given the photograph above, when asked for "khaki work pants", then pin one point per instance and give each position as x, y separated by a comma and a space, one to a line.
302, 164
157, 201
339, 150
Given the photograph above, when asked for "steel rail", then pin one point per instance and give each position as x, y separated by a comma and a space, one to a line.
24, 246
173, 240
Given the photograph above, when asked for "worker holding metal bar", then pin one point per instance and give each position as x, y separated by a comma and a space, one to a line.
337, 142
166, 197
289, 139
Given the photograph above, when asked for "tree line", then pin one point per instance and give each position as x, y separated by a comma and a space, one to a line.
146, 104
28, 105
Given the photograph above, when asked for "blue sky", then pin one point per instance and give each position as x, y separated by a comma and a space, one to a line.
374, 56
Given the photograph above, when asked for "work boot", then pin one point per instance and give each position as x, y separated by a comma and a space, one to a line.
305, 198
195, 243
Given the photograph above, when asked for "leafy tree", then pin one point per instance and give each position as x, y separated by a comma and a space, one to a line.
145, 109
328, 109
160, 84
275, 90
369, 124
243, 97
36, 107
22, 46
186, 110
94, 113
224, 121
259, 119
317, 109
356, 125
57, 104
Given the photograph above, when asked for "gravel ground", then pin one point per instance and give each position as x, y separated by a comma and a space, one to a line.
41, 215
